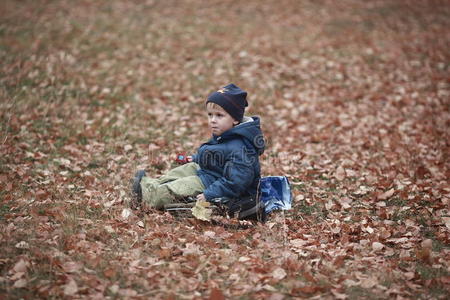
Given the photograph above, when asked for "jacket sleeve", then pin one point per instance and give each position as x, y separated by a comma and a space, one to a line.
237, 176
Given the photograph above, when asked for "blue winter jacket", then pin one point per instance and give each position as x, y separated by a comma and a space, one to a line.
229, 163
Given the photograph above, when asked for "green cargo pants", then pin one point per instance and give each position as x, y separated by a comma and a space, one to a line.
178, 183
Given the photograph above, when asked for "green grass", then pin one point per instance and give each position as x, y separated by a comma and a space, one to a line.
156, 51
427, 272
357, 292
5, 209
317, 210
396, 201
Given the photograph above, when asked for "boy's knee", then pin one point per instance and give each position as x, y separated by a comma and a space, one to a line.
158, 197
188, 186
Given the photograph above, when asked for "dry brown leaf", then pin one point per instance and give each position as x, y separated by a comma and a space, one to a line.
216, 294
110, 272
338, 295
126, 213
71, 288
276, 296
21, 266
71, 267
377, 246
427, 243
279, 273
369, 283
21, 283
340, 173
22, 245
202, 210
386, 195
446, 222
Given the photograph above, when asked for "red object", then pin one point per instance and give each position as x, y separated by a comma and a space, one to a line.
182, 158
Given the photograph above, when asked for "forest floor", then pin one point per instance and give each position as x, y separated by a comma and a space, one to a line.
354, 100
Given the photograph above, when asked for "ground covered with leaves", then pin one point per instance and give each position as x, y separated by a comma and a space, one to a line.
354, 100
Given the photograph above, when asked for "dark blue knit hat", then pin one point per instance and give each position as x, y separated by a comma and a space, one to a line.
232, 99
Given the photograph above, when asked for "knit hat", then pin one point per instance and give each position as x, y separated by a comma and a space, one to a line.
232, 99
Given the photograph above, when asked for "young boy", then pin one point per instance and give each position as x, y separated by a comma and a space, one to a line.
225, 166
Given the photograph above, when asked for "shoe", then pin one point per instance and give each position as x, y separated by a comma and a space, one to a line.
136, 188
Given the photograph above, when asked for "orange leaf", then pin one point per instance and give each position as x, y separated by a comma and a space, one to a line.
311, 289
216, 294
109, 273
164, 253
308, 276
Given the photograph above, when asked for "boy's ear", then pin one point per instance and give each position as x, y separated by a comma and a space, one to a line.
235, 123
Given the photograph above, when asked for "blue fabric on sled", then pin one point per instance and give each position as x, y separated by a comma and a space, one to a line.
275, 193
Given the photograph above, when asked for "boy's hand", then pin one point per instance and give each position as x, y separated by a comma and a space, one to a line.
201, 197
182, 158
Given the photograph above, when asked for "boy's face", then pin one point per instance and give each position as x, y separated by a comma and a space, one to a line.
219, 120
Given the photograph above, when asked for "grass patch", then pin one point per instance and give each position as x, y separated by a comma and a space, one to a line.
357, 292
82, 81
299, 187
396, 201
402, 215
427, 272
317, 210
4, 208
94, 164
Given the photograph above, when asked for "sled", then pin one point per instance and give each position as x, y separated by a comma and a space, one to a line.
273, 193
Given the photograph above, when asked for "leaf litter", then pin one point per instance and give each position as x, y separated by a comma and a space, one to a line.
354, 104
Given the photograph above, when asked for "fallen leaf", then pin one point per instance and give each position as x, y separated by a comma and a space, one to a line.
299, 243
447, 222
109, 229
71, 267
350, 282
269, 288
202, 210
338, 295
109, 203
22, 245
427, 244
386, 195
306, 290
216, 294
340, 173
409, 275
21, 266
381, 204
127, 293
279, 273
17, 275
114, 288
71, 288
192, 248
109, 273
126, 213
209, 234
369, 283
244, 259
276, 296
345, 202
21, 283
424, 255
